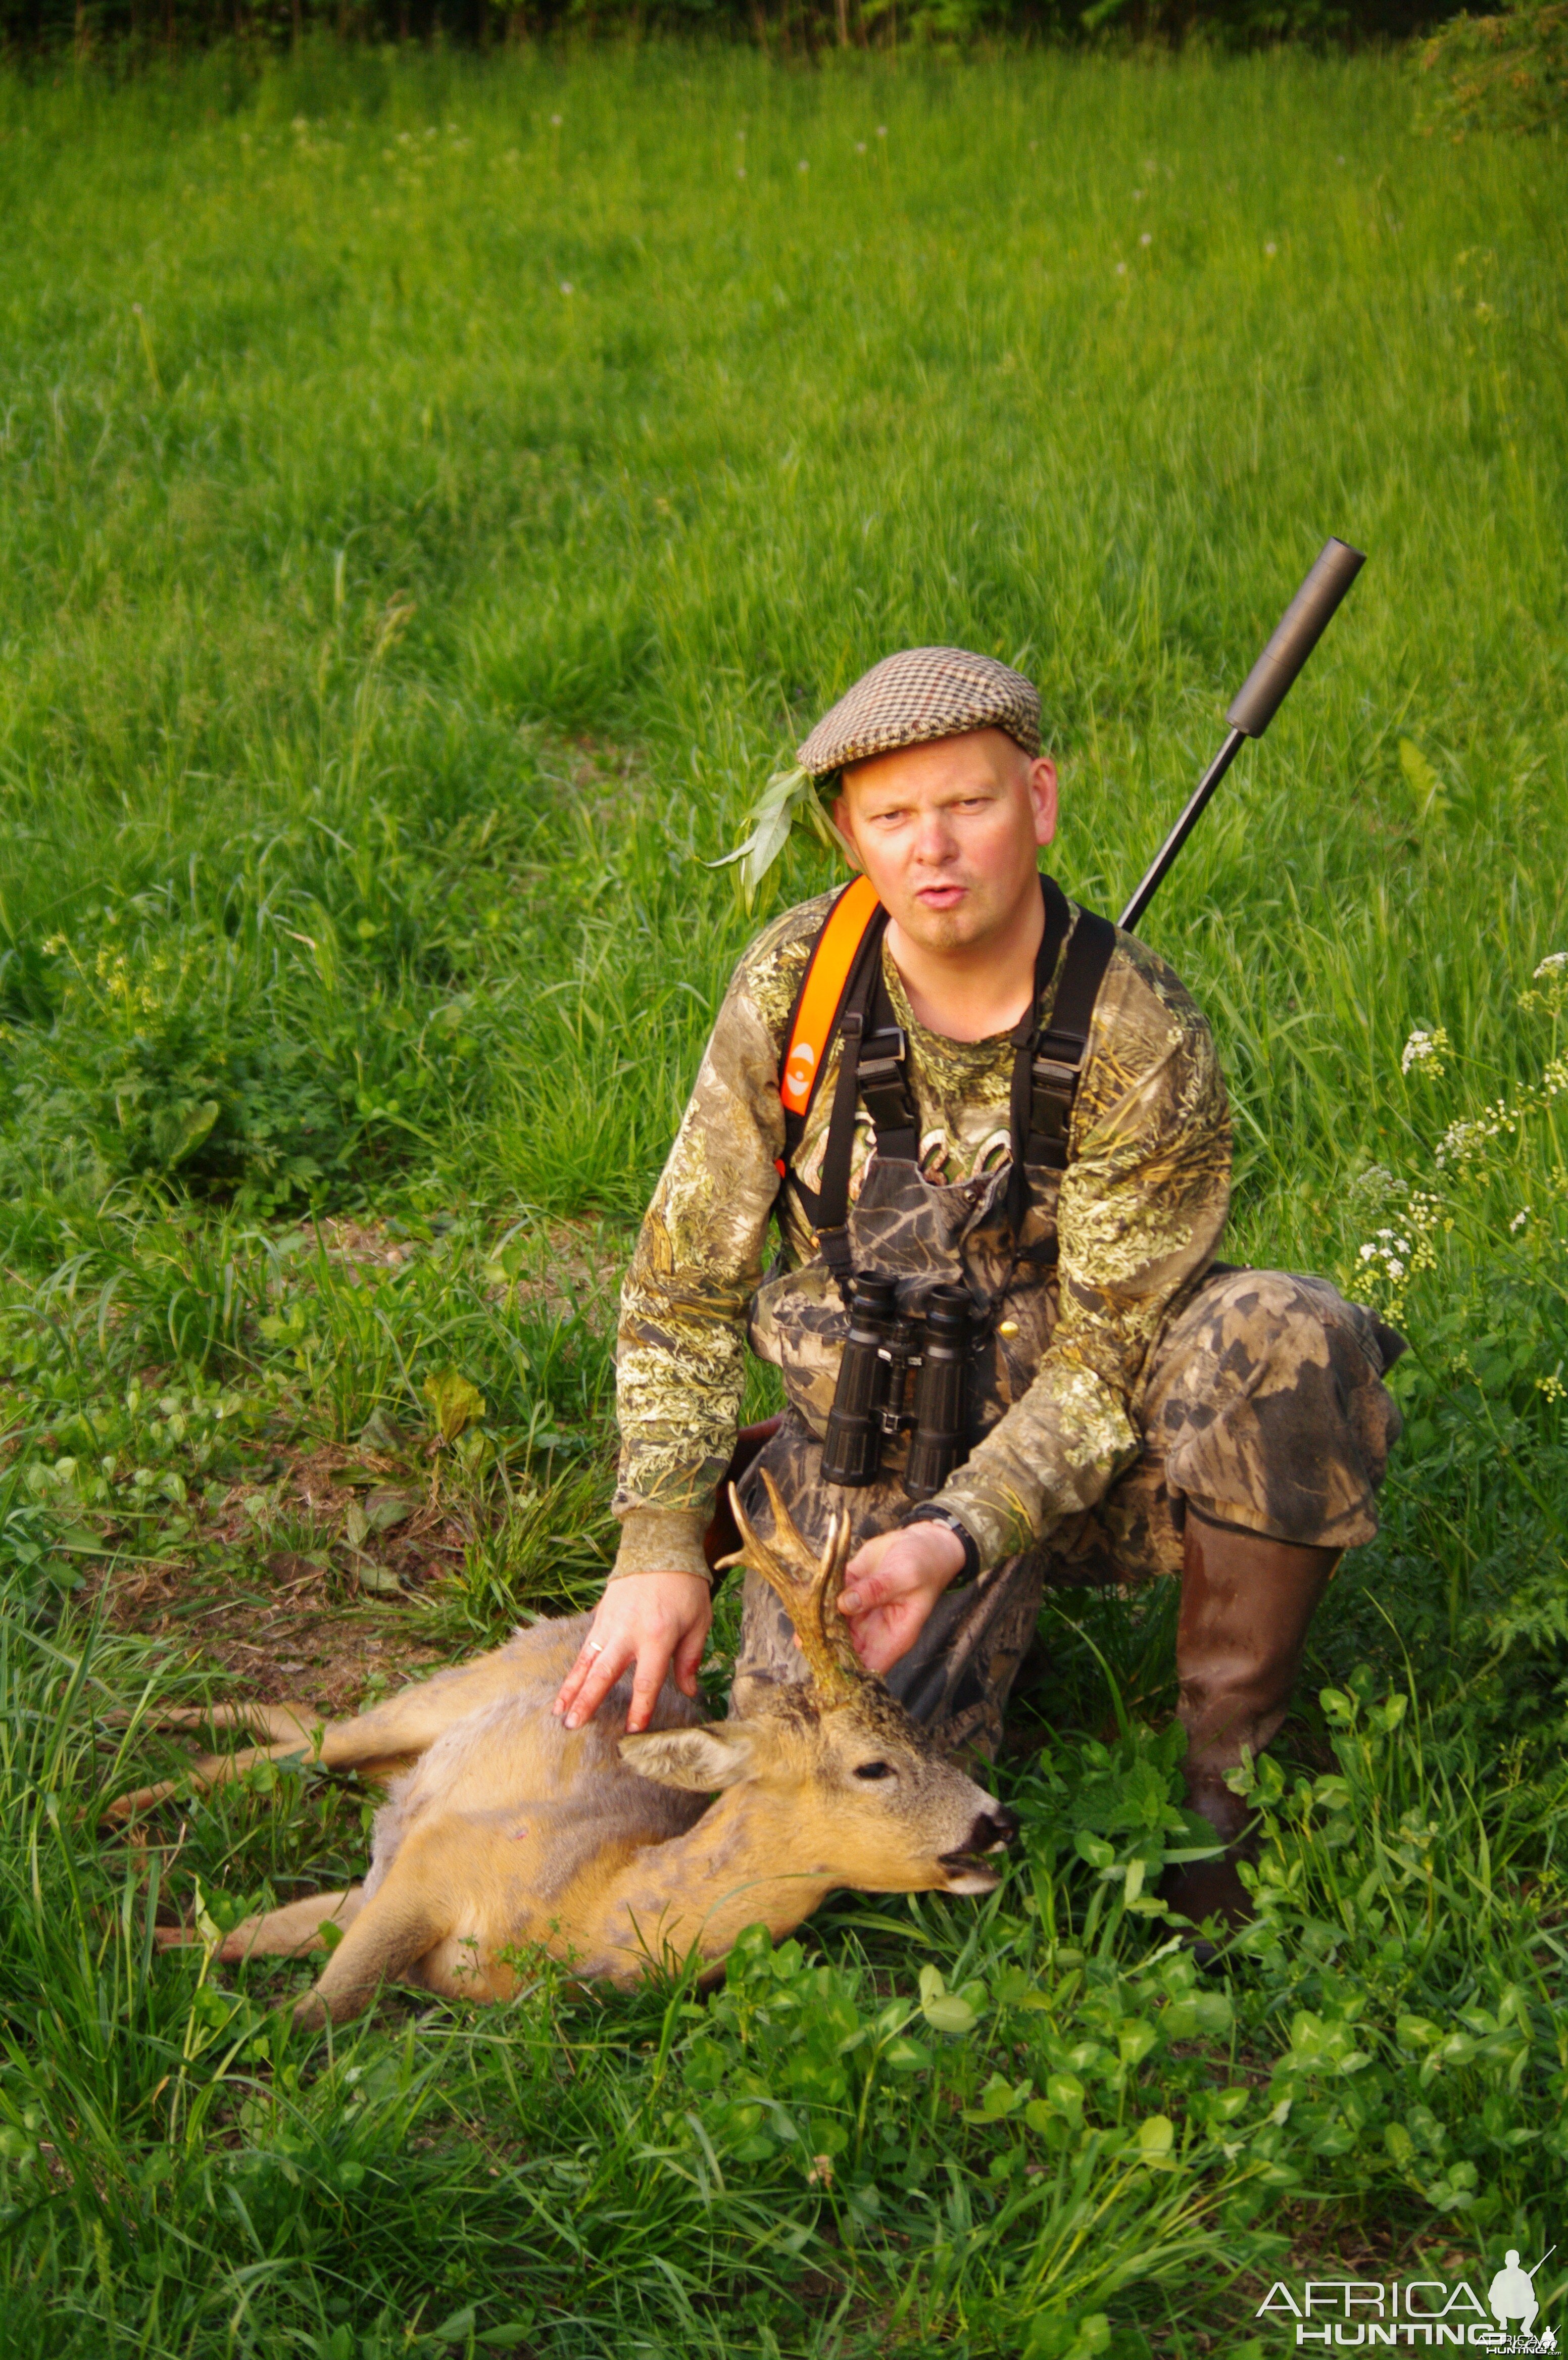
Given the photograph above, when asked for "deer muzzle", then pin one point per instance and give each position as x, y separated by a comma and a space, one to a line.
965, 1869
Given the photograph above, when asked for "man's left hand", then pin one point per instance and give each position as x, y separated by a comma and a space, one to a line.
890, 1586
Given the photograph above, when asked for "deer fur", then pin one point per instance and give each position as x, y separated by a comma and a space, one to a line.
503, 1828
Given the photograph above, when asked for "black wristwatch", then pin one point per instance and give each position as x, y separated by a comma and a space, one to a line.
930, 1514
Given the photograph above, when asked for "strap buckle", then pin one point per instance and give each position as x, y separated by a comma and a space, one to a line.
881, 1058
1054, 1086
883, 1084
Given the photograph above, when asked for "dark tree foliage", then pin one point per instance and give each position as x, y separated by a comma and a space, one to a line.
131, 30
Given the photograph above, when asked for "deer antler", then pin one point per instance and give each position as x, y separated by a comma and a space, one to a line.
807, 1587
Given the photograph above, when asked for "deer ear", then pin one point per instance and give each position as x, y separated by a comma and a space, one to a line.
702, 1760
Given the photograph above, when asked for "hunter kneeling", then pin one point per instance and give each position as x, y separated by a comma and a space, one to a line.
994, 1135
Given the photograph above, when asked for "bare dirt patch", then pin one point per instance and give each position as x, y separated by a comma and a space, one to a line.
308, 1602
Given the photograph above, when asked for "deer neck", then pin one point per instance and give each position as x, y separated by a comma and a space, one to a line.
699, 1890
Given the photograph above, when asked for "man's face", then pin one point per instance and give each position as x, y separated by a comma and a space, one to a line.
948, 832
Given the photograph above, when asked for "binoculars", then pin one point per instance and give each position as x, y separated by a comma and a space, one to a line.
900, 1373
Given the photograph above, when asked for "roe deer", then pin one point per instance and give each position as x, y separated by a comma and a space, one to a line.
508, 1829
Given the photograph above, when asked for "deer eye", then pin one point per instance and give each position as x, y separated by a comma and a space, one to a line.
875, 1770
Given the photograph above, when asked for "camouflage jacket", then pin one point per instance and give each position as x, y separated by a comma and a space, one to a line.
1139, 1212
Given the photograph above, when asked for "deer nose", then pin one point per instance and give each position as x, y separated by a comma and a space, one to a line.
993, 1830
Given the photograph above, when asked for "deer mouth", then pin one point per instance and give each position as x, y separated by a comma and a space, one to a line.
967, 1870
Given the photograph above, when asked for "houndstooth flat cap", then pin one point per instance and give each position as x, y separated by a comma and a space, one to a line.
921, 693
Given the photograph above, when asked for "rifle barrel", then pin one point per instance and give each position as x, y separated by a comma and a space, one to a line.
1155, 873
1261, 695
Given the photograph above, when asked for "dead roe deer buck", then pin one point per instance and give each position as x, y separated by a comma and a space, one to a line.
507, 1829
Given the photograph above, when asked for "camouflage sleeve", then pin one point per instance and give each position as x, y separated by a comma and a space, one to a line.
681, 1354
1143, 1204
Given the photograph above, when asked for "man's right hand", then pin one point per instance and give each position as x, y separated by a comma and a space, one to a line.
652, 1619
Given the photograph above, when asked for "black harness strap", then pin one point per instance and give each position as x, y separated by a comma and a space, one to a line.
1051, 1072
883, 1077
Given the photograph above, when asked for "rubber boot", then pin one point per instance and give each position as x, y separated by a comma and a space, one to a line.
1247, 1605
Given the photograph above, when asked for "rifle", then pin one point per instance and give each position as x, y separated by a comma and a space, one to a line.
1263, 692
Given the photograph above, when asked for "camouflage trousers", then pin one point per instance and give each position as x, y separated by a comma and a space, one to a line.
1262, 1404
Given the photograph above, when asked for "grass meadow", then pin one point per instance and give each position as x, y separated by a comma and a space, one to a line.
435, 494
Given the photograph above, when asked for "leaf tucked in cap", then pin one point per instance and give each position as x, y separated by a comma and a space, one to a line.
789, 800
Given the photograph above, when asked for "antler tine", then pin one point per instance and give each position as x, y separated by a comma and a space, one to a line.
807, 1587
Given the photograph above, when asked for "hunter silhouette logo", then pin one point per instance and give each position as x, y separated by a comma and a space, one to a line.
798, 1072
1512, 2295
1345, 2312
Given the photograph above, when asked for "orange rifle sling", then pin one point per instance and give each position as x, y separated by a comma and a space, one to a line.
831, 961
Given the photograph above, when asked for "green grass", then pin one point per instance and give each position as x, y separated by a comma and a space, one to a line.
425, 524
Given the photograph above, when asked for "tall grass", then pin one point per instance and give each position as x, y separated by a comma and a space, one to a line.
435, 495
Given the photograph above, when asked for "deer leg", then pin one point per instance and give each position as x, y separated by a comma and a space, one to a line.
389, 1935
378, 1742
288, 1933
275, 1721
293, 1932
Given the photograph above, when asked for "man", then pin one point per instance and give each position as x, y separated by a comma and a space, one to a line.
1135, 1408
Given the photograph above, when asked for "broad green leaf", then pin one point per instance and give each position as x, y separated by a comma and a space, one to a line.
175, 1134
950, 2013
378, 1579
385, 1508
453, 1401
1424, 782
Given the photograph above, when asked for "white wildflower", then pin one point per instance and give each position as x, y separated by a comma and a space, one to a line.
1427, 1050
1520, 1218
1148, 238
1271, 248
1552, 975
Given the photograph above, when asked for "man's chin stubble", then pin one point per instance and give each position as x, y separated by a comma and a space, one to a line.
943, 930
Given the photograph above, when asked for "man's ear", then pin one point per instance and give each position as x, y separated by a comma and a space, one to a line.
844, 827
701, 1760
